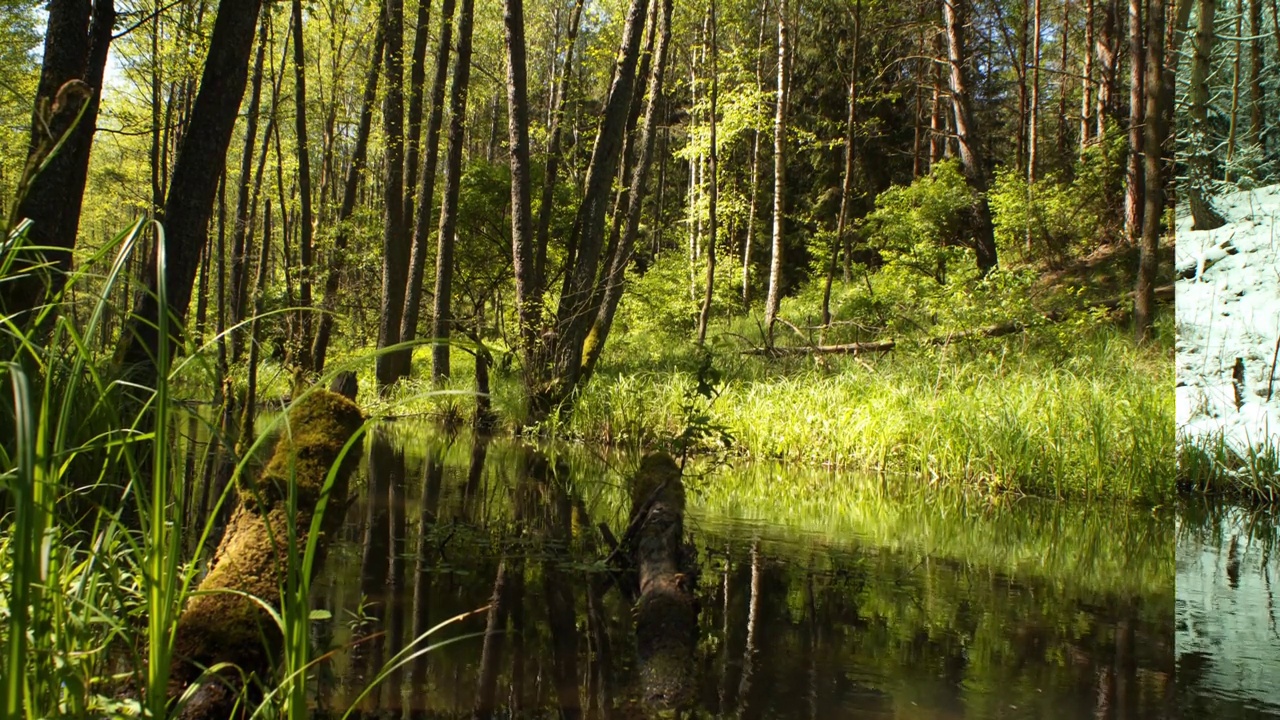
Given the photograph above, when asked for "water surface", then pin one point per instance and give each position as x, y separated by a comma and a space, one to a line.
1227, 637
820, 595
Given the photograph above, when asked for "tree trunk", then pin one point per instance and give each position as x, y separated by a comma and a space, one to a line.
240, 232
1133, 178
749, 239
551, 174
528, 250
442, 319
1233, 128
350, 187
201, 157
1063, 80
395, 246
846, 185
714, 168
1199, 162
417, 83
1033, 133
1256, 100
1107, 50
966, 134
302, 343
616, 276
575, 315
426, 186
1155, 136
774, 299
1086, 84
67, 99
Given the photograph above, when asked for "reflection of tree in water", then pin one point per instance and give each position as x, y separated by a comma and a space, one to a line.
786, 629
1228, 642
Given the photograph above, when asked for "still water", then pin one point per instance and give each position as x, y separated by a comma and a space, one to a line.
819, 596
1227, 640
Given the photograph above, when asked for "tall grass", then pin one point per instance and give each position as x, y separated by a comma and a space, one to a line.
98, 558
1213, 465
1005, 416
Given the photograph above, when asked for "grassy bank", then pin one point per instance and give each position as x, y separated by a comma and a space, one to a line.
1020, 413
1214, 466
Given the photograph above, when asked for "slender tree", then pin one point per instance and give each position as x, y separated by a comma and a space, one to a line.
713, 195
302, 343
1155, 134
395, 244
774, 298
1204, 216
443, 318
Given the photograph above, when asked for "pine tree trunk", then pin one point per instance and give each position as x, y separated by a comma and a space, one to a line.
1233, 129
1256, 100
1133, 179
1086, 85
971, 161
1199, 162
528, 249
1033, 133
1155, 135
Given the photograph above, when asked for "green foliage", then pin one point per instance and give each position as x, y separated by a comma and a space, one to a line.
1065, 218
921, 227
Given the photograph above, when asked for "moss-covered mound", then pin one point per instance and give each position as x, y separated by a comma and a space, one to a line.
252, 559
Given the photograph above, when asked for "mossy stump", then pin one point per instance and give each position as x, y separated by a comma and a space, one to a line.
252, 559
666, 613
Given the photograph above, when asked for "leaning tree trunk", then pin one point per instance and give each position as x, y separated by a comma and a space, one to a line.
200, 161
1155, 135
774, 297
966, 134
442, 319
1198, 187
240, 231
68, 96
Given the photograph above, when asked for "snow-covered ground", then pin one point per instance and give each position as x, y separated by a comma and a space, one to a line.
1228, 316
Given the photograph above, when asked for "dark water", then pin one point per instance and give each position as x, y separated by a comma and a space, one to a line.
819, 596
1227, 637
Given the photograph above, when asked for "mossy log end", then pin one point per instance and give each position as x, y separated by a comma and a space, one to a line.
228, 627
666, 613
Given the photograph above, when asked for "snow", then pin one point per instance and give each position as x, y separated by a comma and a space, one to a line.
1228, 309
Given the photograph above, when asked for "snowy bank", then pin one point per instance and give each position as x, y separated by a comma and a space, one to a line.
1228, 321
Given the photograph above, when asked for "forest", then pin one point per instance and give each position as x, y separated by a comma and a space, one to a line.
927, 245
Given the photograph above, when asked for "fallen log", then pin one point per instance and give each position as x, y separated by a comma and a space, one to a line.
1163, 294
666, 612
222, 625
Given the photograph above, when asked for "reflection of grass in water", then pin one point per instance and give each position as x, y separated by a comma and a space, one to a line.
1091, 547
1212, 524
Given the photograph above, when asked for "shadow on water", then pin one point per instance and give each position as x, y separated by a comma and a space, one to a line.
885, 607
1228, 622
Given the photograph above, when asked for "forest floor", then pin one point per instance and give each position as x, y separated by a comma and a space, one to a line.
1228, 327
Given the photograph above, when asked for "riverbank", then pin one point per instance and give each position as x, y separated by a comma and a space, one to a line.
1082, 415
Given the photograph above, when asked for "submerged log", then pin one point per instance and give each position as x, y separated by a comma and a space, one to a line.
666, 613
231, 628
1163, 294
